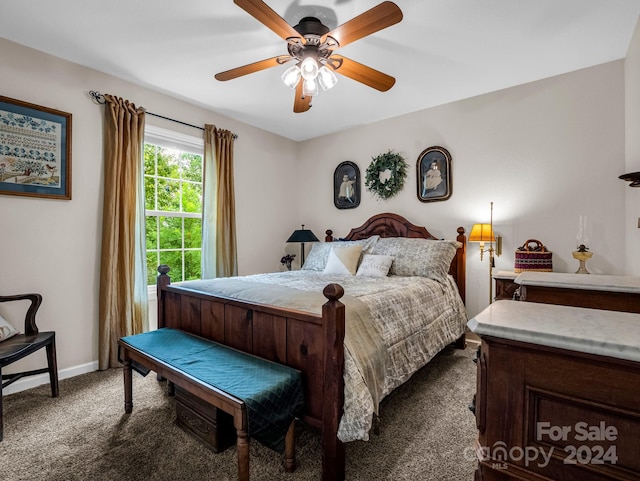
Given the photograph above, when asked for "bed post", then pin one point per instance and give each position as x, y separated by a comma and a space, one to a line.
461, 278
162, 280
333, 458
461, 264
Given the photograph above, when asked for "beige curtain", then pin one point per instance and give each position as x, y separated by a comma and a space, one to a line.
219, 247
123, 308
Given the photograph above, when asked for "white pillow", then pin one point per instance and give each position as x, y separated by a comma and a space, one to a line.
375, 266
6, 329
343, 260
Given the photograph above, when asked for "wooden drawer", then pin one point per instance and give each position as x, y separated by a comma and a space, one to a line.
505, 288
203, 421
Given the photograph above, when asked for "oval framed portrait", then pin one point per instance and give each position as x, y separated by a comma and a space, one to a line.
346, 186
433, 170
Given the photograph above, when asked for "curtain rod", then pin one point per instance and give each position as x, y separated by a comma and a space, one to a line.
98, 98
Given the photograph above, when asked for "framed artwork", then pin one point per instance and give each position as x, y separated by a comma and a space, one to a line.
434, 174
346, 186
35, 150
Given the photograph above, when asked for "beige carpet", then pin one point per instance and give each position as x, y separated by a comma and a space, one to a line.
427, 433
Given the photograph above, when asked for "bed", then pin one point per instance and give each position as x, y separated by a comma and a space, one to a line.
297, 318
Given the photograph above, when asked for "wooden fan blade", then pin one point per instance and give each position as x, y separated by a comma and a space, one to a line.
264, 14
301, 103
363, 74
382, 16
252, 67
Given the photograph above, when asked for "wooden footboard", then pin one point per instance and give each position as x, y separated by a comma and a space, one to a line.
310, 343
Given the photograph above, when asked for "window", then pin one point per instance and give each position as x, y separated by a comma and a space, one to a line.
173, 204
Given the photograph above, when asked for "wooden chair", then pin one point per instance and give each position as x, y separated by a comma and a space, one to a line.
22, 345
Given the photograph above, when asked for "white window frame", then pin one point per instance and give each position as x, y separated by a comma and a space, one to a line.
172, 140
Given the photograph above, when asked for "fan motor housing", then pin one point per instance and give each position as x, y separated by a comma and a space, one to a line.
311, 26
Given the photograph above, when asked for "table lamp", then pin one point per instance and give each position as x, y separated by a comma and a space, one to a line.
302, 235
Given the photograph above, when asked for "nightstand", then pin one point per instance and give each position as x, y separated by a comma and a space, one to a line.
505, 285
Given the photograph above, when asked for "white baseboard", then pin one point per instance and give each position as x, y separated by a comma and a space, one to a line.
39, 379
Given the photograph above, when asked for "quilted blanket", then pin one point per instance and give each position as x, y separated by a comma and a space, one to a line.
394, 326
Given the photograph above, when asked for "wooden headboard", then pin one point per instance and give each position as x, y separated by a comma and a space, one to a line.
394, 225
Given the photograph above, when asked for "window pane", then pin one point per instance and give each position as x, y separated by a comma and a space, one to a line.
174, 260
192, 167
150, 193
151, 226
168, 163
191, 265
170, 232
173, 183
152, 267
149, 159
169, 195
191, 197
192, 233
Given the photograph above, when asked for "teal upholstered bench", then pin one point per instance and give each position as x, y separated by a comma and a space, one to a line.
263, 397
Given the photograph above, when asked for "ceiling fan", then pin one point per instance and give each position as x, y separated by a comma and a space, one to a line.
310, 44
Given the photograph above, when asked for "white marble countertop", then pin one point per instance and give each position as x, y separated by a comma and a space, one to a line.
595, 282
595, 331
504, 275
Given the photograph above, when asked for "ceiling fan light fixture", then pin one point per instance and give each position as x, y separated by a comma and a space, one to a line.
291, 76
309, 68
326, 78
310, 45
310, 87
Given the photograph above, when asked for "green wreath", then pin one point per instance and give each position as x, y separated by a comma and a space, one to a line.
397, 167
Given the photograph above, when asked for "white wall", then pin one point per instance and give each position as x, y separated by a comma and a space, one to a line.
53, 246
543, 152
632, 126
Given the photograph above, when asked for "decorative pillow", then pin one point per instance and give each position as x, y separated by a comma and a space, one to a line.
343, 260
374, 266
319, 254
6, 329
418, 257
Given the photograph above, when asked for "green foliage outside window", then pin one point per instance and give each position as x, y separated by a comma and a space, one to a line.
173, 200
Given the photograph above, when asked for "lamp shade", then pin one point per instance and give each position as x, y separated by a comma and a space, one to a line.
326, 78
309, 68
302, 235
481, 233
291, 76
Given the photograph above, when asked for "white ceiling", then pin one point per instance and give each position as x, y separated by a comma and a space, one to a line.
442, 50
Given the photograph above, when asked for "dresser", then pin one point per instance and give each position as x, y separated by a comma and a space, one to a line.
557, 393
615, 293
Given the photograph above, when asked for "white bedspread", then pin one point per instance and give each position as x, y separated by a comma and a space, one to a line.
415, 317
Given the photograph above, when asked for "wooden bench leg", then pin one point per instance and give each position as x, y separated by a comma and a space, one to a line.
290, 448
243, 455
128, 386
